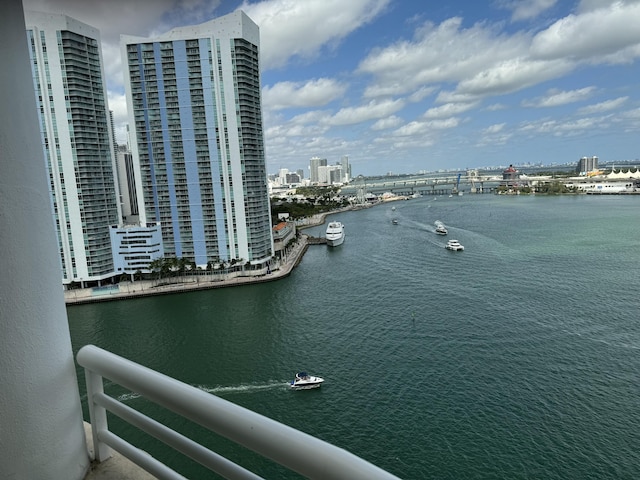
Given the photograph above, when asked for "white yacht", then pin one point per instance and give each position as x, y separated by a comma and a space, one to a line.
453, 245
304, 381
440, 228
334, 234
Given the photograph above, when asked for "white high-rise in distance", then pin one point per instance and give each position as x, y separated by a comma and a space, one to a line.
194, 103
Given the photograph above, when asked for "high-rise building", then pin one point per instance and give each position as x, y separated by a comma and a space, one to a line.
316, 163
346, 169
587, 164
127, 183
194, 103
77, 142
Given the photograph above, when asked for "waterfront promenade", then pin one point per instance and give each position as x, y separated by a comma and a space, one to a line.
204, 281
143, 288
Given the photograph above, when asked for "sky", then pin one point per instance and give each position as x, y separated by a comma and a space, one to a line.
404, 86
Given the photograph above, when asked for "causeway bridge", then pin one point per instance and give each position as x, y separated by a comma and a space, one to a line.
431, 184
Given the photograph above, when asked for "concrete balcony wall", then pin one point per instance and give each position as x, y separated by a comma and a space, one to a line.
41, 428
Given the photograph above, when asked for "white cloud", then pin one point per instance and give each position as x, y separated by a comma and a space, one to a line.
603, 106
498, 127
371, 111
291, 28
526, 9
443, 53
387, 123
448, 110
314, 93
556, 98
609, 33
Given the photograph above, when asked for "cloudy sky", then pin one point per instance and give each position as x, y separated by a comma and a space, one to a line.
405, 86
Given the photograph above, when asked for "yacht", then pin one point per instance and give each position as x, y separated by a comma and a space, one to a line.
334, 234
304, 381
453, 245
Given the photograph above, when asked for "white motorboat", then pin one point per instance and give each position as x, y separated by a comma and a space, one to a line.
304, 381
394, 221
334, 234
453, 245
440, 228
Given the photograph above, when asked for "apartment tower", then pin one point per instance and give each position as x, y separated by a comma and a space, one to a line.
197, 141
77, 142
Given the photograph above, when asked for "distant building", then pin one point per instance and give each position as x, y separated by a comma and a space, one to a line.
586, 165
135, 247
314, 167
283, 233
78, 146
194, 103
510, 176
127, 183
346, 169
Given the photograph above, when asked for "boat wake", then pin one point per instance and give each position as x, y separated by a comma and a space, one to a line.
243, 388
220, 390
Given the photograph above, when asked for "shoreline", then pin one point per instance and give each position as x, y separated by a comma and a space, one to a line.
147, 288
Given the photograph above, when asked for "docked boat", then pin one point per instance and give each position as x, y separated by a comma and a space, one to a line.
335, 234
304, 381
440, 228
453, 245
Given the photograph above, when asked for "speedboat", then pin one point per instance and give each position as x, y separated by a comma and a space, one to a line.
453, 245
334, 234
304, 381
440, 228
394, 221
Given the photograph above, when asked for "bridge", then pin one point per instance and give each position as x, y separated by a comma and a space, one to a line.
433, 184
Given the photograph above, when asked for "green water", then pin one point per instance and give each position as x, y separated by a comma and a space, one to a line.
517, 358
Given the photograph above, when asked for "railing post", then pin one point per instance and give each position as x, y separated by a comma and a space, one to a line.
97, 415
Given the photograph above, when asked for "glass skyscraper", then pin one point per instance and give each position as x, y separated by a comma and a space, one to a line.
77, 142
193, 96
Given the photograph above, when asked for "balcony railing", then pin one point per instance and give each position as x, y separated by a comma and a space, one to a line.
287, 446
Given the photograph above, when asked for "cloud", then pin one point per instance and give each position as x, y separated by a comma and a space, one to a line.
314, 93
526, 9
387, 123
371, 111
448, 110
603, 106
556, 98
605, 34
437, 54
294, 29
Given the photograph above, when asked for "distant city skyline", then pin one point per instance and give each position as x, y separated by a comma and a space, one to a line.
419, 86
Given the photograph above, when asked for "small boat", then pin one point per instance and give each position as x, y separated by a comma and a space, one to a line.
335, 234
453, 245
440, 228
393, 209
304, 381
394, 221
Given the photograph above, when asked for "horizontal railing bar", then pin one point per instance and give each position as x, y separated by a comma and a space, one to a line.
179, 442
285, 445
139, 457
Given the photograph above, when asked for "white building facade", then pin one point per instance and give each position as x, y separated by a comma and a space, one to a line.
77, 142
135, 247
197, 140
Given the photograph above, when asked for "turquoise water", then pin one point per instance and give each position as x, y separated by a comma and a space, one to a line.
517, 358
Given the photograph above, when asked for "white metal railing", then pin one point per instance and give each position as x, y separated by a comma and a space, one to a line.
287, 446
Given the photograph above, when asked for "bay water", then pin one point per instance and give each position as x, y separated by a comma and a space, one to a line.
518, 358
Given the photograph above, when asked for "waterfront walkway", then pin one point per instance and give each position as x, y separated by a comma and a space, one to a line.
204, 281
143, 288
